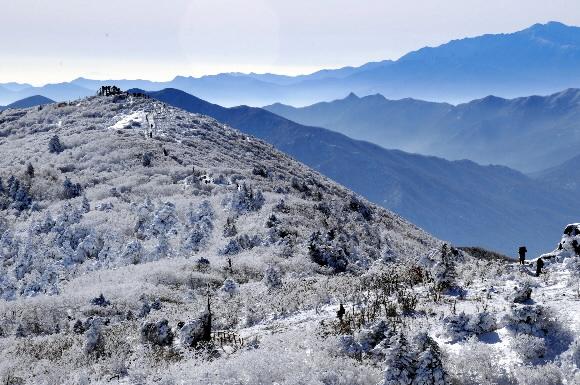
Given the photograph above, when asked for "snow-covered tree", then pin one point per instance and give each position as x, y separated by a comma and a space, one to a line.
70, 189
272, 277
55, 146
400, 362
430, 370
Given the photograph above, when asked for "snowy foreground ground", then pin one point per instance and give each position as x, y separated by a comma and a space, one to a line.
120, 217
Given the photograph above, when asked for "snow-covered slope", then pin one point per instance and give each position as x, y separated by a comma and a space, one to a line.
121, 217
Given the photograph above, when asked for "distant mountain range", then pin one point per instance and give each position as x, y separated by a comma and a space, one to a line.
31, 101
527, 133
565, 177
541, 59
460, 201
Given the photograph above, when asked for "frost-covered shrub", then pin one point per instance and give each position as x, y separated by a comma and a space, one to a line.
71, 190
194, 332
461, 326
477, 363
325, 251
443, 272
575, 353
198, 227
93, 338
202, 264
230, 287
530, 319
157, 333
15, 195
230, 229
522, 293
133, 253
100, 301
272, 277
529, 347
146, 159
163, 220
246, 200
548, 374
155, 221
360, 207
368, 342
369, 338
241, 243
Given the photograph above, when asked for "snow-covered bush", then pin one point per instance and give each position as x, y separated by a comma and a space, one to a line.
528, 347
530, 319
198, 227
357, 205
461, 326
194, 332
369, 342
477, 363
575, 353
133, 253
230, 287
246, 200
523, 293
272, 277
146, 159
241, 243
548, 374
157, 333
326, 251
93, 338
71, 190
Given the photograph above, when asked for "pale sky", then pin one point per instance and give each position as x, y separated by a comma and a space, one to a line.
49, 41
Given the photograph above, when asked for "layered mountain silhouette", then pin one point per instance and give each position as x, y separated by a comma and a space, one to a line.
565, 177
541, 59
31, 101
460, 201
527, 133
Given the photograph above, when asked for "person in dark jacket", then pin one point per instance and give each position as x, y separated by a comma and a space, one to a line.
341, 312
539, 265
523, 252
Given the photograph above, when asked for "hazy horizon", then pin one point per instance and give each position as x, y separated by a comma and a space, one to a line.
147, 40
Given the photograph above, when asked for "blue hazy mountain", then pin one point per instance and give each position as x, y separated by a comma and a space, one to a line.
31, 101
564, 177
526, 133
59, 92
541, 59
460, 201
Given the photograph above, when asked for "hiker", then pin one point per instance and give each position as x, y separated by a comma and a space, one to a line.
539, 265
523, 252
341, 312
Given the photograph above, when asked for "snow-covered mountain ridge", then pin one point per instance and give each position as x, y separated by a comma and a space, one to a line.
120, 216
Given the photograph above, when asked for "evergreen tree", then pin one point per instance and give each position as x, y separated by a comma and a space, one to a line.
55, 146
430, 369
400, 362
86, 206
146, 159
30, 170
71, 190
